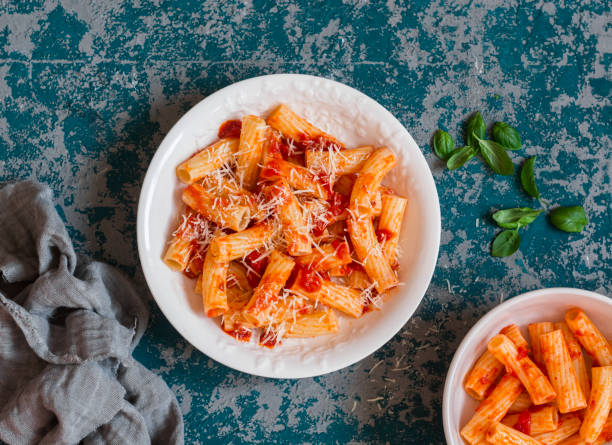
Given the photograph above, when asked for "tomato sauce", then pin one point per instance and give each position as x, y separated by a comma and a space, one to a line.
305, 142
337, 205
269, 340
369, 307
522, 353
278, 148
383, 235
240, 334
341, 249
230, 129
258, 265
523, 423
575, 354
270, 170
487, 378
309, 280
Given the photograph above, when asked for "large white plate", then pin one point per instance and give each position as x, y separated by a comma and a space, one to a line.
539, 305
355, 119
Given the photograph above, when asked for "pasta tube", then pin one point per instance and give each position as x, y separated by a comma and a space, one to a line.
298, 177
536, 383
599, 404
521, 404
313, 325
487, 368
389, 226
500, 434
250, 150
237, 245
575, 352
589, 337
535, 330
222, 211
207, 160
569, 424
320, 290
295, 230
328, 256
561, 372
534, 422
214, 276
492, 409
274, 278
285, 120
338, 162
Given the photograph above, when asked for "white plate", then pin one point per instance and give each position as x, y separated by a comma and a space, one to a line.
354, 118
538, 305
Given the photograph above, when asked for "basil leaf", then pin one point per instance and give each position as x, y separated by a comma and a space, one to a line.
528, 178
496, 157
516, 218
505, 135
443, 144
475, 128
506, 243
460, 156
569, 219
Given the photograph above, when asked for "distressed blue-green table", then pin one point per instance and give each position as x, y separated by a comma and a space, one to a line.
87, 92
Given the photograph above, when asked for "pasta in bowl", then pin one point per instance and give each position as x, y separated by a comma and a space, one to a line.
286, 236
545, 377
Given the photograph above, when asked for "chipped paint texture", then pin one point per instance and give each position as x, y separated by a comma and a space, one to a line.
89, 89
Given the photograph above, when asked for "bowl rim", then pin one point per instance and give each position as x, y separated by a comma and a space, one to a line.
470, 336
159, 157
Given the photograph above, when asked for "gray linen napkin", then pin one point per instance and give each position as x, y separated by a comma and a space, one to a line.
67, 332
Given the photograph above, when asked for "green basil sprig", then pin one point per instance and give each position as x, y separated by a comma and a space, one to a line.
516, 218
460, 156
505, 135
496, 156
506, 243
475, 128
443, 144
528, 178
569, 219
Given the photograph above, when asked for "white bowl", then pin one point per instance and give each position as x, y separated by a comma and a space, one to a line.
354, 118
539, 305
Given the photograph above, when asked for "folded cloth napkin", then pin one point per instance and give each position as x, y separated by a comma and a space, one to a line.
67, 332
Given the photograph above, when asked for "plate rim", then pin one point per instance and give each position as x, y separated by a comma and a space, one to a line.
158, 157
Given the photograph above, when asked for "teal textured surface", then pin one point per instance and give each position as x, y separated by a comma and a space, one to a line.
87, 92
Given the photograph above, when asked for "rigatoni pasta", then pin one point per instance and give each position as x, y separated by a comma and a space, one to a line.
561, 373
536, 383
577, 357
599, 403
492, 409
285, 229
500, 434
207, 161
589, 337
553, 410
542, 420
250, 150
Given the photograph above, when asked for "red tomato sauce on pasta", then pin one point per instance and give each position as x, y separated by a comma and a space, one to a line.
383, 235
269, 340
230, 129
337, 204
240, 334
258, 265
523, 423
522, 353
341, 249
309, 280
